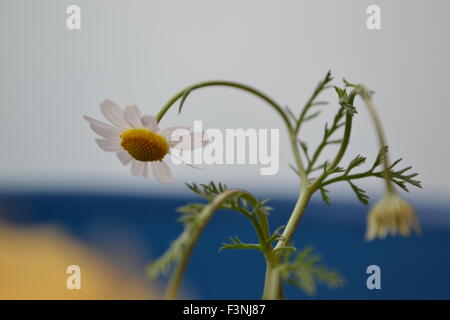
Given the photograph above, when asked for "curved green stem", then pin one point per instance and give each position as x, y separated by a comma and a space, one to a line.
223, 83
183, 93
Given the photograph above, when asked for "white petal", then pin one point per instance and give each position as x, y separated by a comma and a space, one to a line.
145, 174
150, 123
161, 171
137, 168
132, 116
190, 141
181, 130
124, 157
109, 145
103, 129
114, 113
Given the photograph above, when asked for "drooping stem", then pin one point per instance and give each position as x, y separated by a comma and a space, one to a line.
381, 138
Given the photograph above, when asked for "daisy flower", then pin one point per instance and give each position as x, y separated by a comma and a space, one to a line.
138, 140
391, 215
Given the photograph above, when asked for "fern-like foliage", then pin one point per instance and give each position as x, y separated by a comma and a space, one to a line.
191, 220
194, 220
306, 271
236, 243
307, 112
401, 177
211, 190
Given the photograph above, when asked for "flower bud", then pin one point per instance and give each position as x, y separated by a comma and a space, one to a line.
391, 215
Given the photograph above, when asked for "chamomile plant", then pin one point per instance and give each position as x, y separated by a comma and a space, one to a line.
137, 139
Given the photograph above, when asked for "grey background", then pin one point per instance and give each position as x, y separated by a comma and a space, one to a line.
144, 51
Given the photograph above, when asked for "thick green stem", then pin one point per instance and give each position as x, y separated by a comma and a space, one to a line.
273, 289
267, 283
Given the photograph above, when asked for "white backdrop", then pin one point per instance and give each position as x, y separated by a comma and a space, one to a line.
144, 51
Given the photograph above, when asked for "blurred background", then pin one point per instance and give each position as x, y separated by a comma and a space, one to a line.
62, 199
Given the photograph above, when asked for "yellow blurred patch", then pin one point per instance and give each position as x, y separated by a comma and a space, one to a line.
33, 263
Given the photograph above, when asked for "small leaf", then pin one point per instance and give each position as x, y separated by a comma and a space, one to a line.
350, 108
325, 197
348, 84
306, 271
286, 248
312, 116
183, 99
356, 162
360, 193
320, 103
380, 157
294, 169
276, 235
336, 170
291, 114
342, 93
236, 243
304, 147
337, 141
395, 163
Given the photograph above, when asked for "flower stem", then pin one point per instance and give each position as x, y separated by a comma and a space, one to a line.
381, 138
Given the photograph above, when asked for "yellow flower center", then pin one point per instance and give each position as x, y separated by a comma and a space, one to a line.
144, 145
